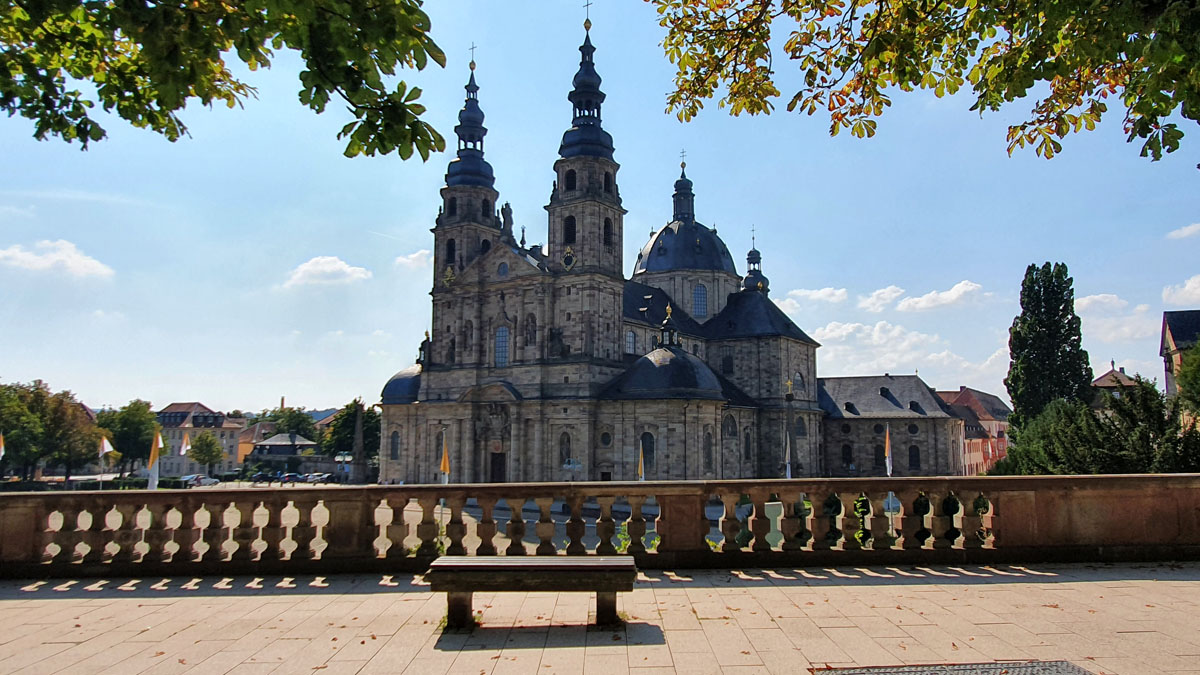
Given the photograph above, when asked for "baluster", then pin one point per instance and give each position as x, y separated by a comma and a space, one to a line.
94, 535
575, 527
849, 522
987, 519
939, 522
304, 532
791, 525
455, 529
214, 533
820, 523
545, 526
67, 537
878, 523
636, 525
760, 524
157, 535
516, 526
126, 536
729, 522
244, 533
606, 527
969, 522
427, 530
485, 529
396, 531
910, 522
186, 534
273, 531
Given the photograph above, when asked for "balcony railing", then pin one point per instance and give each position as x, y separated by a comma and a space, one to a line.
767, 523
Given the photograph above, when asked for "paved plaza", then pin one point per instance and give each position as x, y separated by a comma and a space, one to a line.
1129, 619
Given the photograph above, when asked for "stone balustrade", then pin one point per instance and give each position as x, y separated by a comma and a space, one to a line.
693, 524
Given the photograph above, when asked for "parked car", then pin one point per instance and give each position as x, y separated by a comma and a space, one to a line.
198, 480
291, 478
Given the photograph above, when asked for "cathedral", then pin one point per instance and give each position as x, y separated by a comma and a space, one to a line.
547, 364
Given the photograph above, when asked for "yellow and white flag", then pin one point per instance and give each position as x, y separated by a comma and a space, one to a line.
887, 449
1, 446
152, 464
641, 464
185, 446
445, 467
105, 447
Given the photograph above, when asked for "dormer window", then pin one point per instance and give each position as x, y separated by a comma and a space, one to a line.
884, 392
914, 406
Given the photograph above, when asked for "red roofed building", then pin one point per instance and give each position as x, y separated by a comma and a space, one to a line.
985, 429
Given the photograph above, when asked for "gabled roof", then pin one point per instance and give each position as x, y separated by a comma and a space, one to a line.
894, 396
252, 433
188, 407
753, 314
1180, 330
988, 407
287, 440
647, 304
1114, 379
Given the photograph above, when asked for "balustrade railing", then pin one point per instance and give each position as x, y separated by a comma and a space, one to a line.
663, 525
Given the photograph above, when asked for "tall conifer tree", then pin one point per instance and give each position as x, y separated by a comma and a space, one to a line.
1048, 361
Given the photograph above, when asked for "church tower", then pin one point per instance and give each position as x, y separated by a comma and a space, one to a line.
585, 214
467, 224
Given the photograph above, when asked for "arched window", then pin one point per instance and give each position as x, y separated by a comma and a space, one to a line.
747, 453
729, 427
880, 460
502, 347
502, 270
608, 182
700, 301
569, 179
485, 208
530, 330
914, 458
798, 381
485, 246
468, 336
801, 428
394, 447
631, 343
648, 452
847, 455
452, 207
608, 232
564, 448
451, 252
569, 230
708, 451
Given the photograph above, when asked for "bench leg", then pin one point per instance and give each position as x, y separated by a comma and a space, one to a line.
458, 609
606, 608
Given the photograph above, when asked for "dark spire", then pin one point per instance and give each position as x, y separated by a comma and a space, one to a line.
470, 168
685, 200
586, 137
755, 280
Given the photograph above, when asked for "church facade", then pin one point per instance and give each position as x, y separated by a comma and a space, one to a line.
547, 364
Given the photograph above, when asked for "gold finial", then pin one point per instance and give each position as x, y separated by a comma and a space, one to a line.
426, 335
683, 159
472, 64
472, 55
587, 25
668, 311
587, 17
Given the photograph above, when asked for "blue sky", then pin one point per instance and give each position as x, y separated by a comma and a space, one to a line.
253, 261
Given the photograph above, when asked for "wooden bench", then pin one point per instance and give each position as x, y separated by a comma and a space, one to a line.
461, 576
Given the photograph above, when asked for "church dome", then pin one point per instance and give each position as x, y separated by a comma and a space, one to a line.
684, 246
667, 372
403, 387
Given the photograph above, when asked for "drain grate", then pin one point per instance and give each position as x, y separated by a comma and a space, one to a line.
999, 668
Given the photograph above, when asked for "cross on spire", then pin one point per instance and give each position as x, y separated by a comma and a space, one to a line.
472, 51
683, 158
587, 16
753, 244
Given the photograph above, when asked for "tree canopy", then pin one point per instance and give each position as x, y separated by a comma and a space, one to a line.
132, 429
1075, 57
1044, 344
145, 62
44, 428
290, 421
340, 437
206, 451
1189, 380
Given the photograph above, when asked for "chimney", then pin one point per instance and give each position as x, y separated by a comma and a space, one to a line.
1122, 370
281, 405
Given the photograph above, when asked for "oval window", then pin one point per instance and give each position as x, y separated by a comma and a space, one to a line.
605, 439
502, 270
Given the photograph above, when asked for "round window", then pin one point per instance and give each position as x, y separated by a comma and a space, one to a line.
879, 428
502, 271
845, 428
912, 429
605, 438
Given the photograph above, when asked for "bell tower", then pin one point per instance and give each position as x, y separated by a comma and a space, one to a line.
586, 220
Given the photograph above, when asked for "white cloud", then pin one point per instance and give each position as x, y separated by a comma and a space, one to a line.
1100, 302
1187, 293
102, 315
827, 294
415, 260
59, 255
326, 270
867, 349
788, 305
963, 290
1185, 231
879, 299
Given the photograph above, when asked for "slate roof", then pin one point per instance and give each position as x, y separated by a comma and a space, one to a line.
1114, 379
684, 245
1184, 328
863, 395
971, 426
189, 407
753, 314
287, 440
648, 304
403, 387
252, 433
672, 373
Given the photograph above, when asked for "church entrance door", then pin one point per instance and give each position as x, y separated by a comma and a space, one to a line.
499, 467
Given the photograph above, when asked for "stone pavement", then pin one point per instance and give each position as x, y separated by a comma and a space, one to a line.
1130, 619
